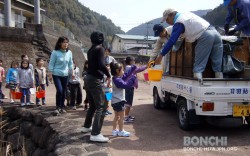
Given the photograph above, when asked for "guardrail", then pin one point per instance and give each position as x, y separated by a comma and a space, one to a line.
56, 26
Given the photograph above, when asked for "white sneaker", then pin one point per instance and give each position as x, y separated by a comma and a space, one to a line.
12, 101
28, 103
85, 130
115, 132
22, 104
123, 133
99, 138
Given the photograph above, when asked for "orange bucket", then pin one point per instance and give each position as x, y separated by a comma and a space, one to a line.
40, 94
145, 76
16, 95
154, 74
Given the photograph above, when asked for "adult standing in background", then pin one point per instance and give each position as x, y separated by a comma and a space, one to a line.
93, 85
239, 10
60, 65
194, 28
25, 57
108, 59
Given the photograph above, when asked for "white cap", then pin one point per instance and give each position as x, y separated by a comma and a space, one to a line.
166, 13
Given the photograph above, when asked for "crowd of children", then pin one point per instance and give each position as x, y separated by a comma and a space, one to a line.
124, 81
22, 79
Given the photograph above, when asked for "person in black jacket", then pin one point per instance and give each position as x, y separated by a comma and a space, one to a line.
93, 86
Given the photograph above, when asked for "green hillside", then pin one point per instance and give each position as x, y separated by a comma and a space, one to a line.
78, 18
217, 16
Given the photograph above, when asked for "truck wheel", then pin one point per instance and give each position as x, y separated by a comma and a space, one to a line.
157, 101
183, 116
248, 120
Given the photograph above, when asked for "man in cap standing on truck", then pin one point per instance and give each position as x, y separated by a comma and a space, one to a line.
239, 10
195, 29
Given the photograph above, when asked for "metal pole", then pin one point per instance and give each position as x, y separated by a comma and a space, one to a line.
21, 14
37, 11
7, 12
147, 37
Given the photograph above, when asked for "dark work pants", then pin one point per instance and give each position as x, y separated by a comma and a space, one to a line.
96, 97
75, 93
60, 84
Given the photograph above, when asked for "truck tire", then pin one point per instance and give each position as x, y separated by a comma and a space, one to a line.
183, 115
247, 118
156, 99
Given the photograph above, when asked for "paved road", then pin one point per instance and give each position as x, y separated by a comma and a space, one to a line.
156, 132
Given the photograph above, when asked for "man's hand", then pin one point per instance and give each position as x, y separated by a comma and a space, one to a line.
158, 59
226, 28
232, 32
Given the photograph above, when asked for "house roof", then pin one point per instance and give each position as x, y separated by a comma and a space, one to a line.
136, 37
131, 46
28, 4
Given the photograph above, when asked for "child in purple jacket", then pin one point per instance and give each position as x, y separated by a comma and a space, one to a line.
120, 82
129, 93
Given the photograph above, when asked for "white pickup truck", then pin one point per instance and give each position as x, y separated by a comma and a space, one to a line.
207, 98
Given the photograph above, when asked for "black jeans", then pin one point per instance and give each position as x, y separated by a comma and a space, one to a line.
96, 98
60, 84
75, 94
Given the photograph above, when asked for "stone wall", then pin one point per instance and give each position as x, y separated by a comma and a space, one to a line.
28, 132
10, 51
34, 42
37, 131
15, 35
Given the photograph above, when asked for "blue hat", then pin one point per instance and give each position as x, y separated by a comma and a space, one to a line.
226, 2
158, 28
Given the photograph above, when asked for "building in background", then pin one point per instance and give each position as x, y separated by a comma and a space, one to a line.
21, 12
133, 44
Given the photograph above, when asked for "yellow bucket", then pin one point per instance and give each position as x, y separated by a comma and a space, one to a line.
154, 74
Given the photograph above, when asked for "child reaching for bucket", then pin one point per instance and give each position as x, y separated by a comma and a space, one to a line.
120, 82
129, 93
25, 81
41, 78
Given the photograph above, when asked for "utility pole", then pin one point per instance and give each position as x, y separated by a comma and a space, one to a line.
147, 37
